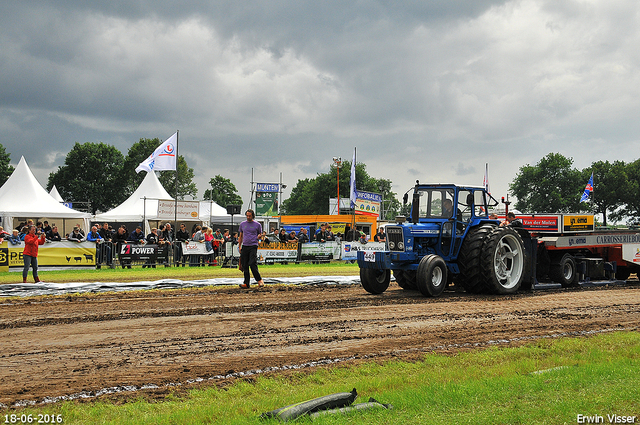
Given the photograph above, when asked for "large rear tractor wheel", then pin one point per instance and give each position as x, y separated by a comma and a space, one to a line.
503, 261
375, 281
402, 279
565, 272
470, 277
431, 276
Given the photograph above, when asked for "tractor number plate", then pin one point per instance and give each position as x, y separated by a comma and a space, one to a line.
370, 257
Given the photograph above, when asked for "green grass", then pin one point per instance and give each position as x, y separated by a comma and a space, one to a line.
336, 268
597, 375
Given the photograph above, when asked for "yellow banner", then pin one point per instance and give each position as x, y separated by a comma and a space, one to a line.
51, 254
335, 227
4, 257
577, 222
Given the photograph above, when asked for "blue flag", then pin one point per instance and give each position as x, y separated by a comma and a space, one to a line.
587, 190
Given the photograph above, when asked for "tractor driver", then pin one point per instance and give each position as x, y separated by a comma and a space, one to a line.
447, 208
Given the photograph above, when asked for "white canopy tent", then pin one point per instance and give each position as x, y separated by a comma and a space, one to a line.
142, 206
22, 198
55, 194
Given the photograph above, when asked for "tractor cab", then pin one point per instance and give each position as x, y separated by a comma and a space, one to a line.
444, 214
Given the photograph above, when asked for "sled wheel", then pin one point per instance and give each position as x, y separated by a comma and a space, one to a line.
565, 272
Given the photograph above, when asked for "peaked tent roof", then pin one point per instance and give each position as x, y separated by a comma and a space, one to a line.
23, 196
136, 208
56, 195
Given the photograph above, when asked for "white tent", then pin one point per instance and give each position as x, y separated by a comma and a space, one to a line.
215, 213
142, 206
55, 194
23, 197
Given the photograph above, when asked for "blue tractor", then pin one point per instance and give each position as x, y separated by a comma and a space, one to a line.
449, 238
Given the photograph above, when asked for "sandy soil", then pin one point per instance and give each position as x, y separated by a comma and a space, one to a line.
80, 345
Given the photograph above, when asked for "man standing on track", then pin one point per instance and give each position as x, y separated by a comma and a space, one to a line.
250, 231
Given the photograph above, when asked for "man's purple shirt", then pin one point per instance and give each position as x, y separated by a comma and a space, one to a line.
250, 231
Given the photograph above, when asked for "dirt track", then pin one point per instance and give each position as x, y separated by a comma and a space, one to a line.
55, 347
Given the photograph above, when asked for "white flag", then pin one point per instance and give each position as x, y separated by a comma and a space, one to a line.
485, 183
163, 158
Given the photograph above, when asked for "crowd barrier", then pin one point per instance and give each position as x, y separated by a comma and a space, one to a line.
180, 254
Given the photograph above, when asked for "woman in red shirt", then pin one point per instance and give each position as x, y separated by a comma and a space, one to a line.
30, 253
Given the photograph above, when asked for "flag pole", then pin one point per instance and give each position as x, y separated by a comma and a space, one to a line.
353, 209
175, 206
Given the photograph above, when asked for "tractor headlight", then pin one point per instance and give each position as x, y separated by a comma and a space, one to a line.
401, 246
391, 245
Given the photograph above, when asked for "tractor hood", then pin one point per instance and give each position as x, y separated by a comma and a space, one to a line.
424, 230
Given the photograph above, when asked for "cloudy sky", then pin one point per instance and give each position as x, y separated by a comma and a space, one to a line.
427, 90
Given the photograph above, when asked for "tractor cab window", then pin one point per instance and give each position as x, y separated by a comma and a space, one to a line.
465, 205
480, 203
436, 203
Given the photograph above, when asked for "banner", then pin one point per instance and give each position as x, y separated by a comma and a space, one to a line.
550, 223
268, 187
350, 249
187, 210
63, 254
335, 227
316, 251
266, 204
195, 248
578, 222
131, 252
368, 203
277, 252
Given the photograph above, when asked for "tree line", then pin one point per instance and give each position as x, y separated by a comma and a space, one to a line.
101, 175
553, 185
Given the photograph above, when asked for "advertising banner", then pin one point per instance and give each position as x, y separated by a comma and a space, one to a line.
368, 203
548, 223
578, 222
289, 228
335, 227
195, 248
350, 249
277, 252
187, 210
317, 251
266, 203
131, 252
63, 254
268, 187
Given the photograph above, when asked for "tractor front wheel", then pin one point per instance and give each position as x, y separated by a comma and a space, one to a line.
431, 276
375, 281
